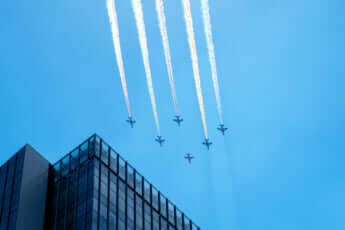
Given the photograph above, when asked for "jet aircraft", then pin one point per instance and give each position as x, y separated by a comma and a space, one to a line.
207, 143
131, 121
178, 120
222, 128
189, 157
160, 140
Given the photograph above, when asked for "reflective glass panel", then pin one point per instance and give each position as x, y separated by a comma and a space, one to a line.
105, 153
130, 176
138, 183
97, 146
154, 198
164, 224
84, 152
147, 192
91, 146
113, 160
194, 227
74, 159
179, 219
155, 220
163, 206
122, 168
171, 213
186, 223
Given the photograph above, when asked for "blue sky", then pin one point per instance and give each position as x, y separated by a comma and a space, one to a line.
281, 74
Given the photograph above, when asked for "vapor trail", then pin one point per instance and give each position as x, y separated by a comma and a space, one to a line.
194, 57
211, 54
139, 18
164, 34
116, 40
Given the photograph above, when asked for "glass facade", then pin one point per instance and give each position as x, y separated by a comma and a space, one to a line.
94, 188
10, 182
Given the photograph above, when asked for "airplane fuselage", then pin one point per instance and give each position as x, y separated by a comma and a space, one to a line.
189, 157
207, 143
178, 120
131, 121
160, 140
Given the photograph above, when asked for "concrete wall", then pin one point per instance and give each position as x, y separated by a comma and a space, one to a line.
32, 200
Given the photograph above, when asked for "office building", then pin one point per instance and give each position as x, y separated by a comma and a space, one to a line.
91, 188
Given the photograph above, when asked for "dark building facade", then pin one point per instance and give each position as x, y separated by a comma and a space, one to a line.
92, 188
23, 190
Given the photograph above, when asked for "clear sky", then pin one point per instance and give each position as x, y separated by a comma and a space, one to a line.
281, 74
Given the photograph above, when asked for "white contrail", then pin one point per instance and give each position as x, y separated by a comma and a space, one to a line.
116, 39
164, 34
211, 53
139, 18
194, 57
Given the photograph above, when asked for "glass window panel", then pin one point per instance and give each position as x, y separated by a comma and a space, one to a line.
130, 176
130, 206
97, 146
186, 223
113, 160
194, 227
147, 216
138, 183
96, 163
139, 211
164, 224
112, 178
122, 197
171, 213
163, 206
179, 219
74, 159
65, 166
105, 153
147, 192
121, 225
112, 200
91, 146
155, 220
103, 217
112, 221
154, 198
122, 168
84, 152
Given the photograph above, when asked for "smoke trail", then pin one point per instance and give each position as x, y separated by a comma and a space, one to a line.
139, 18
116, 40
211, 54
164, 34
194, 57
